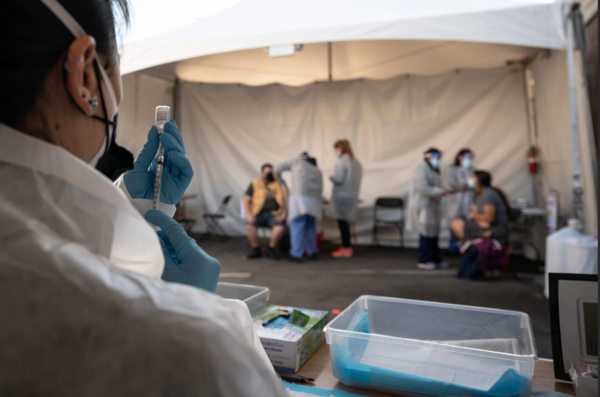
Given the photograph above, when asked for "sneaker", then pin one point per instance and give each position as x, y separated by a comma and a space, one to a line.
271, 254
343, 253
443, 265
255, 253
427, 266
313, 257
295, 259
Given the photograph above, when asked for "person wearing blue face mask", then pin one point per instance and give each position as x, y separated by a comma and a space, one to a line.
459, 180
425, 213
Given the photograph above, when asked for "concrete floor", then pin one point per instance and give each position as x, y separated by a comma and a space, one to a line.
386, 271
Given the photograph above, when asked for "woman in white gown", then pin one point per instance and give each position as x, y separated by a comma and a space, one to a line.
346, 179
84, 310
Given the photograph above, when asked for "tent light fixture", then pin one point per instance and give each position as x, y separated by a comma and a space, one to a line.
284, 50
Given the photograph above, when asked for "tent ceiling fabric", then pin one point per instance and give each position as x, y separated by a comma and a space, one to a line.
364, 32
380, 60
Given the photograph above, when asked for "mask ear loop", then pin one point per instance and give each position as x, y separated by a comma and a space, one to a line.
105, 120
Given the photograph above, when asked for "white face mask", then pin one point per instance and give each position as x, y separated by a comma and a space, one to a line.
100, 153
471, 183
338, 154
75, 28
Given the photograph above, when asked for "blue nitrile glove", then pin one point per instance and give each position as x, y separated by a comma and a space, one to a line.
177, 172
185, 261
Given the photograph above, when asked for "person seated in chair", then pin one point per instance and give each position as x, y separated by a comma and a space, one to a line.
265, 203
490, 212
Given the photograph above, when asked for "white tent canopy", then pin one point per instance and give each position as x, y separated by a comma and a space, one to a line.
346, 40
436, 36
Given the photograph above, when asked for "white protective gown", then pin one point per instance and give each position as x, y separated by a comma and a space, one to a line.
346, 178
84, 312
306, 195
425, 212
458, 205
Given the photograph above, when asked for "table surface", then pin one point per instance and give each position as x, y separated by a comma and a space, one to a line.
319, 368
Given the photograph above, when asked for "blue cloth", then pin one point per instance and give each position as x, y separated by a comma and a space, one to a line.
429, 250
346, 368
510, 384
303, 236
177, 171
453, 248
185, 261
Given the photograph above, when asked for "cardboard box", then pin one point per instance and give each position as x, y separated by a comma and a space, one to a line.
290, 340
585, 379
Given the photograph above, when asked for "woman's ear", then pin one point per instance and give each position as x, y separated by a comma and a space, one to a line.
80, 76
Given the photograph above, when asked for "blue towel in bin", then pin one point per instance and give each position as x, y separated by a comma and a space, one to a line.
510, 384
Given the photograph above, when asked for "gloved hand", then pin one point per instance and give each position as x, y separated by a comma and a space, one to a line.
185, 261
177, 171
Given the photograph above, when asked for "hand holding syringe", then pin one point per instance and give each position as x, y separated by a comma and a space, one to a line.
161, 172
161, 116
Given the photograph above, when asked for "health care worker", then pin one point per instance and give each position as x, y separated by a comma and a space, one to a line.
305, 205
346, 179
458, 206
84, 309
425, 214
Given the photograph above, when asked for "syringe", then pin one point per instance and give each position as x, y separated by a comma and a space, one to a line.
162, 115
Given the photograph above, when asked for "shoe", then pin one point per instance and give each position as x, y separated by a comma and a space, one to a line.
313, 257
443, 265
343, 253
427, 266
295, 259
271, 254
254, 254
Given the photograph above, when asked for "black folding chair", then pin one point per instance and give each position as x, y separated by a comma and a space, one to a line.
212, 220
389, 211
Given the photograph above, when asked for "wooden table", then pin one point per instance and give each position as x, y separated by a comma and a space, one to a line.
319, 368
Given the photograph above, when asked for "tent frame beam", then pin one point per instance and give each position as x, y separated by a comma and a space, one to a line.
329, 64
578, 205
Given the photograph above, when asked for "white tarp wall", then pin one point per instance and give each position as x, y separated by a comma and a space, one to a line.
230, 130
142, 93
556, 154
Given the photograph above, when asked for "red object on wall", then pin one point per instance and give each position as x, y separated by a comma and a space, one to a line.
532, 159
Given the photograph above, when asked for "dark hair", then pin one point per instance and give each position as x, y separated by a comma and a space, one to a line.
265, 165
460, 154
485, 180
34, 40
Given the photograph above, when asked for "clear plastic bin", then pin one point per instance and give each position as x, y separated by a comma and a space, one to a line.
414, 347
254, 296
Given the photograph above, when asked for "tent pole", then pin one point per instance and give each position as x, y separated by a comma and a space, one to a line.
330, 77
532, 131
578, 207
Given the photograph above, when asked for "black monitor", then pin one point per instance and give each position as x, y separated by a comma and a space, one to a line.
573, 320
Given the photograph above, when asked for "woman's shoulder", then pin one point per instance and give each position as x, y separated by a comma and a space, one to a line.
490, 194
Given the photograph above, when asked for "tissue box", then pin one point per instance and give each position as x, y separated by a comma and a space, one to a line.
290, 340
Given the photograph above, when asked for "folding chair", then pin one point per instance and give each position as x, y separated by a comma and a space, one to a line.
388, 211
212, 220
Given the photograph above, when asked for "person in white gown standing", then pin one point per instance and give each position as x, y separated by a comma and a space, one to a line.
459, 204
343, 206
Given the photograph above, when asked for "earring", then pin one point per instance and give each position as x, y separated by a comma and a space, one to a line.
76, 62
94, 102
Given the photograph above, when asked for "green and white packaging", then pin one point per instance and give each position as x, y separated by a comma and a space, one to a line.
289, 343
